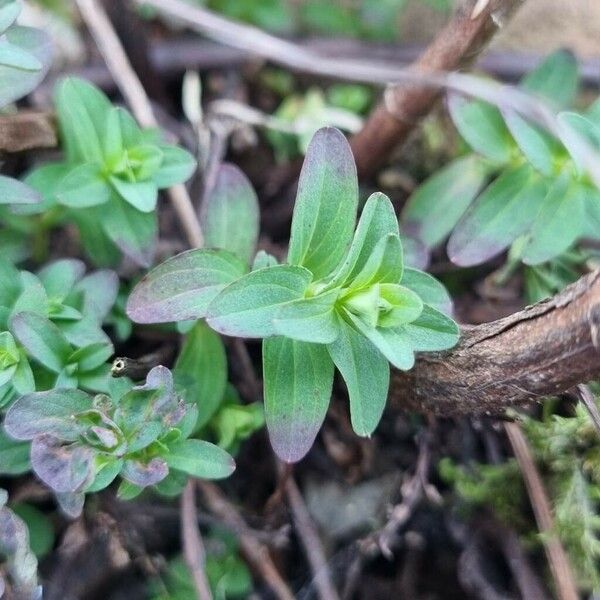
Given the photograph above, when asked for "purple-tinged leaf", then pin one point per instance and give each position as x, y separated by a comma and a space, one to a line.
298, 380
230, 216
144, 474
503, 212
71, 503
64, 468
182, 287
326, 204
49, 412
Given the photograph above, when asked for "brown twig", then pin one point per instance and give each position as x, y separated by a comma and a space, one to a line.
193, 547
256, 553
311, 542
557, 558
132, 90
540, 351
27, 130
404, 106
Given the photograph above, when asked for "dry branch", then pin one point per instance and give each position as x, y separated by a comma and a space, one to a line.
403, 106
542, 350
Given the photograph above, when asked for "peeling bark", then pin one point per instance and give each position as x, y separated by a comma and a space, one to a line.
542, 350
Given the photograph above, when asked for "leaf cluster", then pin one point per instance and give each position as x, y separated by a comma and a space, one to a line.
109, 180
51, 328
521, 186
80, 443
343, 299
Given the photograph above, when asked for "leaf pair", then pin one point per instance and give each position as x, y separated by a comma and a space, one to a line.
541, 194
343, 300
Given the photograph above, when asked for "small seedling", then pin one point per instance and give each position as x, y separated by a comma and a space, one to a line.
81, 443
109, 180
343, 299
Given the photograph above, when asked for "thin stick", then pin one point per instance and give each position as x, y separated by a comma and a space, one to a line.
132, 90
562, 574
193, 547
311, 542
293, 56
256, 553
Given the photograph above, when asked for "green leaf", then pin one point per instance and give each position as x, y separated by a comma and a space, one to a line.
105, 476
8, 15
309, 319
142, 195
377, 220
432, 331
325, 210
59, 277
298, 379
230, 216
428, 288
83, 187
98, 246
537, 145
82, 113
48, 412
555, 79
578, 132
262, 260
367, 375
112, 141
12, 191
247, 307
177, 166
14, 56
558, 224
384, 265
132, 231
200, 459
39, 526
182, 287
42, 339
92, 356
14, 456
397, 305
33, 297
482, 127
437, 205
16, 83
200, 372
394, 344
504, 211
